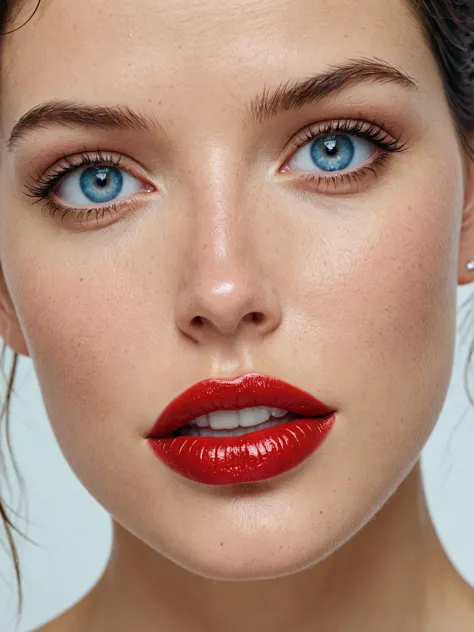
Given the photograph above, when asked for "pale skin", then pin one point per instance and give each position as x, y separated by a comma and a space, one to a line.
355, 287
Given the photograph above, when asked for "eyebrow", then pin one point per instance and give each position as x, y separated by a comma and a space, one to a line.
270, 103
72, 113
294, 95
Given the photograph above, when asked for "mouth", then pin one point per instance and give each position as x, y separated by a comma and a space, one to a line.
247, 429
235, 423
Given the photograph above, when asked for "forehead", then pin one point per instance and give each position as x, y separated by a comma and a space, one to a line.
183, 50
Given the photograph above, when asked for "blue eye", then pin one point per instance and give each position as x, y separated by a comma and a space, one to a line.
97, 185
334, 152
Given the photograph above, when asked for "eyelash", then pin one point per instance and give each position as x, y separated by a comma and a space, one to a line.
43, 186
374, 133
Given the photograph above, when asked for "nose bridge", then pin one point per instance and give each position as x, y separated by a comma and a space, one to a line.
217, 221
220, 272
224, 286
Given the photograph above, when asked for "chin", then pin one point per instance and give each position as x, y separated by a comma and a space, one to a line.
250, 563
255, 552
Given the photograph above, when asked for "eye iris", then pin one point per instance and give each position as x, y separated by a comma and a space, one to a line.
101, 184
332, 153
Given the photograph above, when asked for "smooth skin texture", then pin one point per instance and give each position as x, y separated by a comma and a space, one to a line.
355, 289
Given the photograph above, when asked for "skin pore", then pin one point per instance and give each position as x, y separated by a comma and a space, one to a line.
355, 283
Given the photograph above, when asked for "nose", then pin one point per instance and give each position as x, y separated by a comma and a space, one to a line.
226, 294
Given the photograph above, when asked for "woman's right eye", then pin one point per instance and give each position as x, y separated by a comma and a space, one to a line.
87, 185
97, 185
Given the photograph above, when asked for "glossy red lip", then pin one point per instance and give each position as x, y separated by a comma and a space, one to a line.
249, 390
251, 457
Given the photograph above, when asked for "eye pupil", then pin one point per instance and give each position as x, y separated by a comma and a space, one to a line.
101, 184
101, 178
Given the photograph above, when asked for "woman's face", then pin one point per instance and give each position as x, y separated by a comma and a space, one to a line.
215, 214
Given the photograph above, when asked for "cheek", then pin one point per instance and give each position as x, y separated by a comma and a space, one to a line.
382, 321
96, 318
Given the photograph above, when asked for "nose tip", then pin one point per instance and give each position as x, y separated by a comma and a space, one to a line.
227, 308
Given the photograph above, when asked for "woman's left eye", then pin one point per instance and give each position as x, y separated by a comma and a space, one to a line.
332, 152
97, 185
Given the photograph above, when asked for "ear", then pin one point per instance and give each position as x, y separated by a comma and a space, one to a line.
466, 252
10, 329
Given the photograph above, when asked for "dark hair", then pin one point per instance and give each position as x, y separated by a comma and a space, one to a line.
448, 27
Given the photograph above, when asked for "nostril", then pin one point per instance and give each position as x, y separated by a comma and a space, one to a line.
254, 317
258, 317
197, 320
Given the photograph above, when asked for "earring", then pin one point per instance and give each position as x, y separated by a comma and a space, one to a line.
470, 266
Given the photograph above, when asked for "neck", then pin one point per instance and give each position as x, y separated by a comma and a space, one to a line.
392, 575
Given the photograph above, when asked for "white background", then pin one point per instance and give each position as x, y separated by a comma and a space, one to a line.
73, 533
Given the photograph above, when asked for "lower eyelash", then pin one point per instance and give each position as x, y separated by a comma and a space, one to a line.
51, 208
356, 175
374, 133
42, 187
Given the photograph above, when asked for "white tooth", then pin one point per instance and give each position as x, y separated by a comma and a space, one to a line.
202, 421
224, 419
278, 412
253, 416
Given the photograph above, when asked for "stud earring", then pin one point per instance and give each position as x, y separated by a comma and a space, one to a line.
470, 266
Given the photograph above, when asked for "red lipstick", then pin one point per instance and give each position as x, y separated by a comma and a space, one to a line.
254, 456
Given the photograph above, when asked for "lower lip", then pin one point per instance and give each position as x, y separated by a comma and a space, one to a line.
248, 458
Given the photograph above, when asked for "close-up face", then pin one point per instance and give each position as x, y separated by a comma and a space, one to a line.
235, 212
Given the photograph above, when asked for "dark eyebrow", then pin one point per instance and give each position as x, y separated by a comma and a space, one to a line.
72, 113
287, 96
292, 95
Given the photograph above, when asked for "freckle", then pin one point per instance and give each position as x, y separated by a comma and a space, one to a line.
222, 543
321, 511
81, 280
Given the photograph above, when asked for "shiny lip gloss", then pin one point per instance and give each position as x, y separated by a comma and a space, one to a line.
255, 456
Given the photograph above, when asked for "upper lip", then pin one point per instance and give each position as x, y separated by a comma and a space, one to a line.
246, 391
